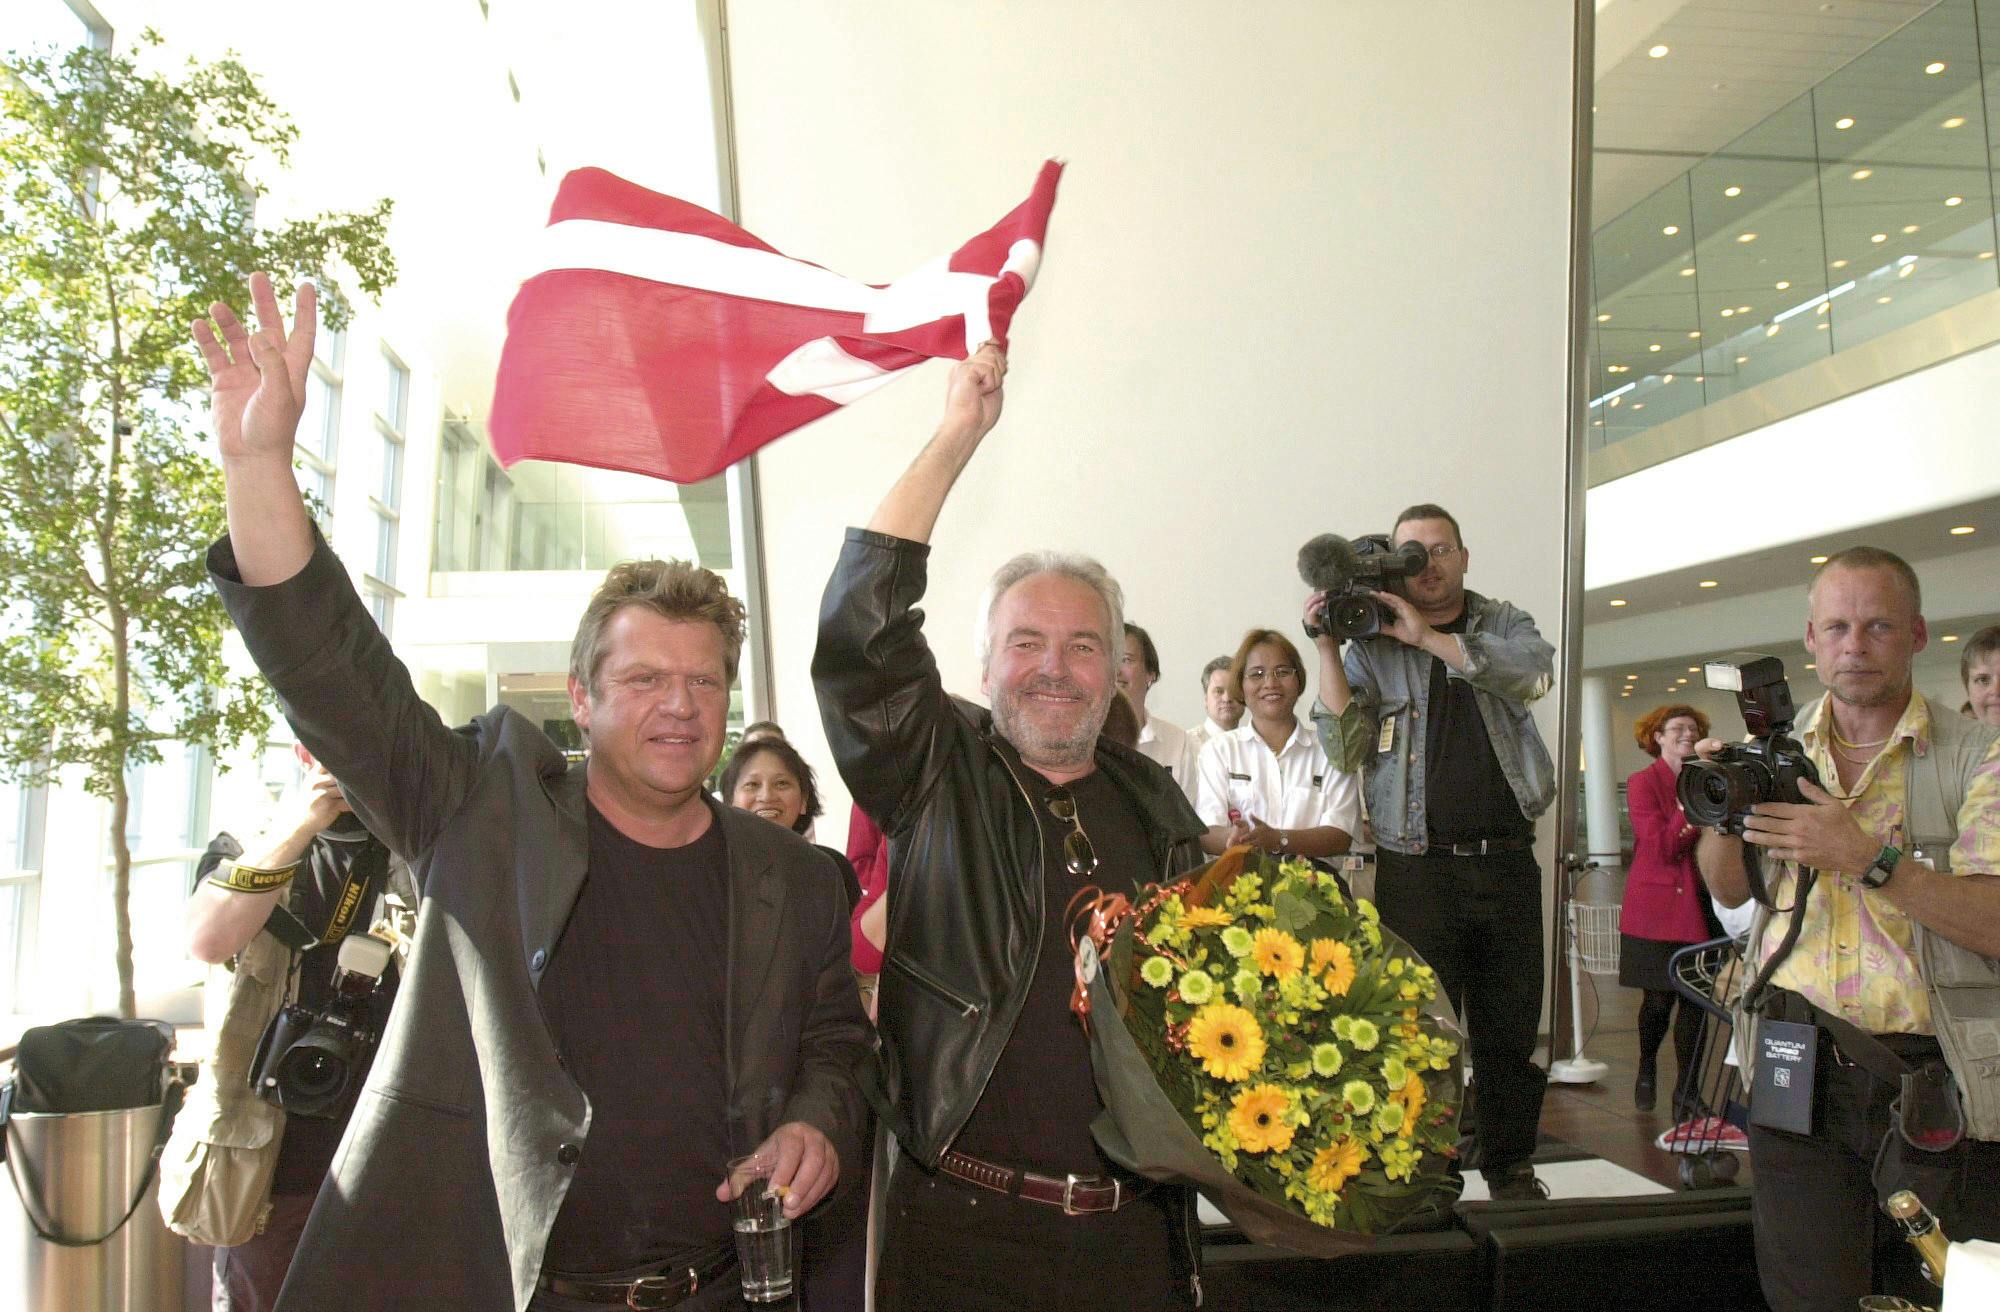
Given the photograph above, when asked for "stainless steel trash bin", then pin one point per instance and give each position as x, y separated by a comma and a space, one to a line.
84, 1168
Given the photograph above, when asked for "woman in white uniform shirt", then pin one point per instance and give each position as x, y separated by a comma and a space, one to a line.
1267, 781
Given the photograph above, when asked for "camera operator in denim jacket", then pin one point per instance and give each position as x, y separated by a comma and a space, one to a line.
326, 871
1434, 712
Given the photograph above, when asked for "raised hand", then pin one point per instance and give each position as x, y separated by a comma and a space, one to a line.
258, 380
973, 398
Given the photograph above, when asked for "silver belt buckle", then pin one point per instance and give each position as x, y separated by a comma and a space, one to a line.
1070, 1183
660, 1284
1069, 1192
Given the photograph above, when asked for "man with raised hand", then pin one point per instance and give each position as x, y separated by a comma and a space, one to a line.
999, 1197
617, 985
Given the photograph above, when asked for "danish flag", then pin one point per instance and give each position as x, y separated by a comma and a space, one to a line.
662, 339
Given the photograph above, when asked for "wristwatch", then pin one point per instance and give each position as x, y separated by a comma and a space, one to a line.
1883, 866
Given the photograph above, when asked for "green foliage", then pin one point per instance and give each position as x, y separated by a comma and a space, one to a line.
127, 207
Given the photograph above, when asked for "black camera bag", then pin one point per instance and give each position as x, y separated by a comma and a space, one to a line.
93, 1064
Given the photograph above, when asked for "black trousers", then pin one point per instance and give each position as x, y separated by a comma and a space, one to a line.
948, 1244
1823, 1241
1477, 920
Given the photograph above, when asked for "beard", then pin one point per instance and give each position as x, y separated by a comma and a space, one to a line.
1868, 697
1043, 735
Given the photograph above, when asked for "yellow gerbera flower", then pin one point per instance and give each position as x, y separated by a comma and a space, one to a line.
1333, 961
1412, 1096
1204, 918
1227, 1040
1258, 1119
1336, 1164
1277, 953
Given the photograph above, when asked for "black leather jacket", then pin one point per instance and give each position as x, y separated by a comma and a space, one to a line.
965, 842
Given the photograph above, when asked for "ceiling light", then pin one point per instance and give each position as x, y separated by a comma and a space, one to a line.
1654, 347
1727, 313
1905, 271
1953, 122
1935, 67
1962, 530
1842, 124
1670, 230
1694, 669
1699, 379
1708, 583
1811, 666
1823, 307
1604, 318
1631, 676
1909, 228
1682, 679
1782, 285
1743, 359
1953, 201
1823, 327
1638, 405
1695, 333
1742, 309
1819, 560
1746, 237
1618, 601
1666, 378
1732, 191
1949, 637
1771, 330
1879, 238
1659, 52
1840, 264
1615, 401
1883, 300
1687, 273
1986, 255
1862, 175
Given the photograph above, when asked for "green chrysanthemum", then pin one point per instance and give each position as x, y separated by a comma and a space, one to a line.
1326, 1059
1196, 987
1237, 941
1389, 1118
1395, 1073
1246, 986
1359, 1095
1363, 1034
1158, 971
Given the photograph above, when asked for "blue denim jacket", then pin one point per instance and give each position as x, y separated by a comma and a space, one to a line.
1509, 665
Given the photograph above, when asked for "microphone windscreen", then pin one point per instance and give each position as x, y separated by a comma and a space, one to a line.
1327, 563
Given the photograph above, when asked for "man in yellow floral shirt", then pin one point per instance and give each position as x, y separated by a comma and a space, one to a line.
1822, 1240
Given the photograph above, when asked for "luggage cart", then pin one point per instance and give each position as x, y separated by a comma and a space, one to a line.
1710, 1120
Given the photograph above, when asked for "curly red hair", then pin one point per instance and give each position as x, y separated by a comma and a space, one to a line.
1656, 719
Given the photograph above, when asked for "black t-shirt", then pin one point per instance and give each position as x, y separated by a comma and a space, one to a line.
636, 999
1466, 795
344, 851
1038, 1105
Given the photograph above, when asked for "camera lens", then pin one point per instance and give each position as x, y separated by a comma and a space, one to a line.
1712, 792
1353, 617
312, 1072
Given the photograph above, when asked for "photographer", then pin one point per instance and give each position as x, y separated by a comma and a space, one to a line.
327, 872
1434, 712
1905, 837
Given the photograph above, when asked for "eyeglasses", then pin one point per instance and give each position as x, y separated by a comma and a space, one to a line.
1443, 551
1078, 855
1275, 672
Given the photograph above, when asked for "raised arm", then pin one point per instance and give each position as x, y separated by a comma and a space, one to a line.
971, 408
221, 922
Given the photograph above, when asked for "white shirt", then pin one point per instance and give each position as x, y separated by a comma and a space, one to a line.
1167, 743
1203, 734
1293, 789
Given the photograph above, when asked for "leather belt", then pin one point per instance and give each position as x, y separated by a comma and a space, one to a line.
1074, 1194
665, 1288
1485, 846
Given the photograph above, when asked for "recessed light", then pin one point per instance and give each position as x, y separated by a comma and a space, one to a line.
1909, 228
1695, 333
1781, 286
1699, 379
1953, 122
1708, 583
1618, 601
1840, 264
1666, 378
1963, 530
1743, 359
1732, 191
1659, 52
1631, 676
1843, 123
1728, 313
1687, 273
1638, 405
1935, 67
1654, 347
1906, 270
1670, 229
1742, 309
1823, 327
1604, 318
1682, 679
1883, 300
1771, 330
1862, 175
1811, 666
1819, 560
1953, 201
1879, 238
1746, 237
1986, 255
1949, 637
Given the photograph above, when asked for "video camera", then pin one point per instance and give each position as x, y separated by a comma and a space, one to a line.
1348, 572
1718, 793
308, 1061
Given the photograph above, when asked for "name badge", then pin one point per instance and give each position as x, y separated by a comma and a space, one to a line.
1239, 778
1781, 1094
1386, 737
1319, 781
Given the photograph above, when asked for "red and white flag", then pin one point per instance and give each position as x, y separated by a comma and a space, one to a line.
663, 339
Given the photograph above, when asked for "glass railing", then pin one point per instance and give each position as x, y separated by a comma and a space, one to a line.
1865, 205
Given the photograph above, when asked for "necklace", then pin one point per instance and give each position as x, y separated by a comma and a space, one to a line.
1834, 729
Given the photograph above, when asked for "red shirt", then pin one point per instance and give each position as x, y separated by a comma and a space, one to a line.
1663, 890
868, 852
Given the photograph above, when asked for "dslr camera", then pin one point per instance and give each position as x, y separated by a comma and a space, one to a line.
1718, 793
309, 1062
1348, 572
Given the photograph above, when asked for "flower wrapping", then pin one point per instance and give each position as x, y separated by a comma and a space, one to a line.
1257, 1035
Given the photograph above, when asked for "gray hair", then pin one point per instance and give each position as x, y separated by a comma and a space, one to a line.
1066, 564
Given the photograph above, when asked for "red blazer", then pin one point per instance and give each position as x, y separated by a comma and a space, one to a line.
1663, 890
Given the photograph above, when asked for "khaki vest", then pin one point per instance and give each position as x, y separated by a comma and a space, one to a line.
1964, 986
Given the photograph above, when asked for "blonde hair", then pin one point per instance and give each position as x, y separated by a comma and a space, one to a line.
671, 589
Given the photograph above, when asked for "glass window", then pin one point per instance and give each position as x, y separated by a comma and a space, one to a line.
383, 607
396, 393
385, 547
319, 423
41, 23
389, 488
330, 347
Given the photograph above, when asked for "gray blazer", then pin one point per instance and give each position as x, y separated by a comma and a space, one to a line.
463, 1143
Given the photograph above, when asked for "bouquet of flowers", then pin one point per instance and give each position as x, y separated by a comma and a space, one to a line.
1260, 1036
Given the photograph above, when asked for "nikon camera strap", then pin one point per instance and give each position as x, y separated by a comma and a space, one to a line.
288, 929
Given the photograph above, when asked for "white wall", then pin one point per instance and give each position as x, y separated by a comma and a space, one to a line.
1309, 265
